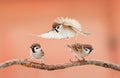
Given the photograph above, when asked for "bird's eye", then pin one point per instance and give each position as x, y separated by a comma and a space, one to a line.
86, 49
37, 48
58, 27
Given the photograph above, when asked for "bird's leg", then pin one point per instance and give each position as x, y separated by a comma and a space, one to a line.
77, 58
70, 61
75, 39
42, 64
89, 58
83, 59
30, 57
42, 61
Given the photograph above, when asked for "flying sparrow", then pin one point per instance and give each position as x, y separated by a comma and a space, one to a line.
80, 50
63, 28
36, 52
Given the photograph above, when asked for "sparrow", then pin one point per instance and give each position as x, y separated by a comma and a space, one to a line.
36, 52
64, 28
80, 50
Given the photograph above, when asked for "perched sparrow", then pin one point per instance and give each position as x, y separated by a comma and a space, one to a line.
36, 52
80, 50
64, 28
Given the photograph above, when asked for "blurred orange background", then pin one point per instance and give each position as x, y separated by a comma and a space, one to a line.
19, 18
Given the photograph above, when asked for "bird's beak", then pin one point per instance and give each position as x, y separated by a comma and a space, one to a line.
91, 48
52, 29
69, 46
83, 48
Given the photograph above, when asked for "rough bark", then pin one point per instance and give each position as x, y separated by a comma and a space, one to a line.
31, 64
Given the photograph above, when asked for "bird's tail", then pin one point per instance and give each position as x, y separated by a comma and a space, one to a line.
85, 33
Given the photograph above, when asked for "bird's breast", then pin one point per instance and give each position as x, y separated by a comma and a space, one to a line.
37, 55
67, 33
79, 54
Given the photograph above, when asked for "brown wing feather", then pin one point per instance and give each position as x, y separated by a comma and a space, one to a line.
70, 28
77, 47
55, 24
87, 46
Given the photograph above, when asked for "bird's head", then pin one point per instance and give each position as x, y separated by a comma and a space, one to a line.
35, 47
87, 47
56, 27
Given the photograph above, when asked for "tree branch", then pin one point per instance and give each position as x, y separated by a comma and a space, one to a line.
58, 66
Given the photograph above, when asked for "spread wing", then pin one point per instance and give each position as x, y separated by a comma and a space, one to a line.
51, 35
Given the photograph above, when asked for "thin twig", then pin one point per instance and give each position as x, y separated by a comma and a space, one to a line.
31, 64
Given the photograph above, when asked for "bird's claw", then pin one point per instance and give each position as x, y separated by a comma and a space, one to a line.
26, 59
70, 61
42, 64
81, 60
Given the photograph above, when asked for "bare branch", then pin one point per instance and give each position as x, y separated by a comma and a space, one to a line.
58, 66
